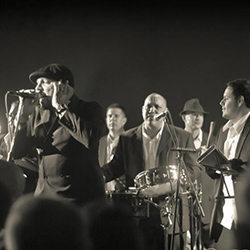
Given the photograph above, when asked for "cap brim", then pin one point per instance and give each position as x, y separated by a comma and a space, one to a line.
193, 111
34, 76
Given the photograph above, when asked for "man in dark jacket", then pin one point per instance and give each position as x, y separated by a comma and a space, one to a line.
233, 140
148, 147
65, 131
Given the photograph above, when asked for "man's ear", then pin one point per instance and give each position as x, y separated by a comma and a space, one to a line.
241, 100
183, 118
124, 120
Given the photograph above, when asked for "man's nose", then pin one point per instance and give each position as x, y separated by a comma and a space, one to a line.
39, 87
152, 109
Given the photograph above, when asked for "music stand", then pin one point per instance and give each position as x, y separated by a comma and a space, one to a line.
181, 165
214, 159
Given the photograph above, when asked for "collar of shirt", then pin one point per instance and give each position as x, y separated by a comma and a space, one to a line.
157, 137
112, 142
111, 145
233, 135
150, 148
238, 126
198, 139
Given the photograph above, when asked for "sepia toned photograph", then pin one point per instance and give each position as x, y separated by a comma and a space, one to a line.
124, 125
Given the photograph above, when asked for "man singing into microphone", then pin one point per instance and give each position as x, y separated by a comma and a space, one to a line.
149, 146
65, 131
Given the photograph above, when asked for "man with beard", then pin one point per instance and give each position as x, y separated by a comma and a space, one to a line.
148, 147
65, 132
115, 121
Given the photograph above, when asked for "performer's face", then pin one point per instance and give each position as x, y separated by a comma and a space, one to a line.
153, 105
230, 105
193, 120
45, 86
115, 119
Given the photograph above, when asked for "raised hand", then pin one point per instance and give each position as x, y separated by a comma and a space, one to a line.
61, 94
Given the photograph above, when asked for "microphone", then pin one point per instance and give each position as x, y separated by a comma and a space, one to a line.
159, 116
211, 130
25, 93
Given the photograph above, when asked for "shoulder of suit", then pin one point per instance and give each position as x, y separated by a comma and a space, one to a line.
130, 132
248, 121
103, 138
76, 101
90, 105
181, 131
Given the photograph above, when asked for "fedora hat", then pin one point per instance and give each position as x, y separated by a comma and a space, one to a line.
53, 71
193, 106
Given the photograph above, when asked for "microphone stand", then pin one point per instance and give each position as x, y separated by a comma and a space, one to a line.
180, 165
14, 132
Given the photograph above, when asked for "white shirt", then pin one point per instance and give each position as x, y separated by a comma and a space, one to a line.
230, 146
150, 147
111, 146
198, 140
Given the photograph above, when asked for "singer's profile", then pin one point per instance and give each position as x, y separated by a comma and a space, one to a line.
65, 131
229, 225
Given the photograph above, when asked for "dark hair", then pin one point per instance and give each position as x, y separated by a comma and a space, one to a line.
45, 223
6, 202
111, 223
118, 106
241, 87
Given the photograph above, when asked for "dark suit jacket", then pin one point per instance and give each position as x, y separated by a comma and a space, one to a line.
67, 150
129, 158
243, 153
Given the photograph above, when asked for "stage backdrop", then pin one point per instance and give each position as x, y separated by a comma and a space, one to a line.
123, 52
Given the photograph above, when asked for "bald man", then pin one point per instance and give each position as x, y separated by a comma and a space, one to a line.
148, 147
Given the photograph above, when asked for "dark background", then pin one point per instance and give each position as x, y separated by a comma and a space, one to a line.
121, 52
